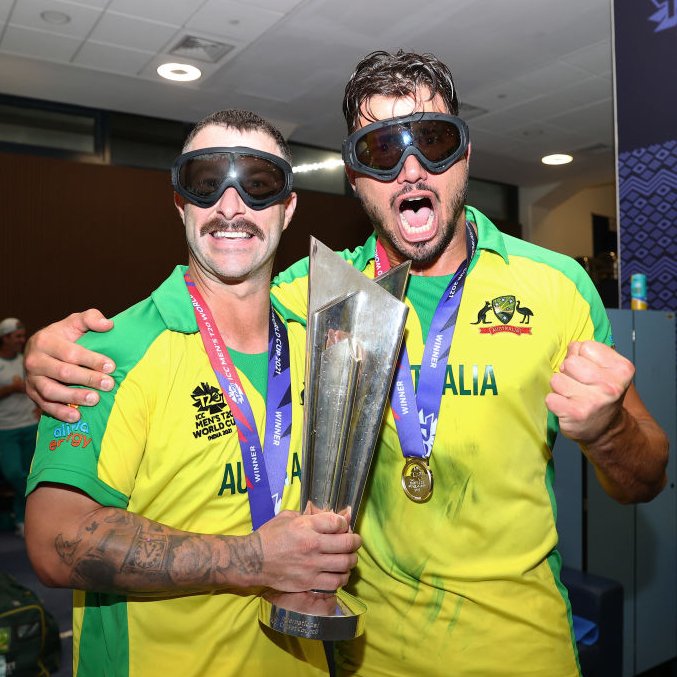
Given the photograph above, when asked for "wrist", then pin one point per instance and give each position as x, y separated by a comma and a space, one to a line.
607, 438
240, 562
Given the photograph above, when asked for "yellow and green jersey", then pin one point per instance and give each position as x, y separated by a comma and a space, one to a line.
468, 583
164, 444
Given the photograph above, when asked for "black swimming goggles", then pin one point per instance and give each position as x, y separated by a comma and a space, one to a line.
261, 179
380, 149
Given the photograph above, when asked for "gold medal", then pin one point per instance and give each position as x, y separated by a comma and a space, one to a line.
417, 479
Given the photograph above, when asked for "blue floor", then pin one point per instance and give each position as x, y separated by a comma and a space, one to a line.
14, 561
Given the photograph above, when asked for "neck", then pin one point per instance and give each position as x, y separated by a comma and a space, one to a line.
241, 311
8, 354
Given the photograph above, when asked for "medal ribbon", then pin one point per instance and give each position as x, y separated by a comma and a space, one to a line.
416, 412
265, 469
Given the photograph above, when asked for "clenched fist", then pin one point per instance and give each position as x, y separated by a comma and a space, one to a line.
588, 391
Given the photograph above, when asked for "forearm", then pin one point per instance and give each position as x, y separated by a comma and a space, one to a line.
112, 550
630, 458
75, 542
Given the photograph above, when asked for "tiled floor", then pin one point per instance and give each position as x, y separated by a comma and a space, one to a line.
14, 561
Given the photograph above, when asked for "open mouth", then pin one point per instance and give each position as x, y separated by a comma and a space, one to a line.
416, 215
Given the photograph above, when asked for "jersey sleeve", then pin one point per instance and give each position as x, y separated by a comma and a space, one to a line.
99, 454
584, 315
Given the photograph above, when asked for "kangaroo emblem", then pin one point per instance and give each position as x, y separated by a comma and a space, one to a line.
482, 315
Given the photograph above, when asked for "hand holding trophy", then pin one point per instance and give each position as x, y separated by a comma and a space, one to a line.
355, 331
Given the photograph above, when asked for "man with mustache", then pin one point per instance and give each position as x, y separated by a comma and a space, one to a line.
459, 568
172, 504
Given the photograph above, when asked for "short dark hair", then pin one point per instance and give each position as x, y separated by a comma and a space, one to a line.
243, 121
397, 75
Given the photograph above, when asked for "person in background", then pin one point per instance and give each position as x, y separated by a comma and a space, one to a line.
172, 504
18, 416
507, 345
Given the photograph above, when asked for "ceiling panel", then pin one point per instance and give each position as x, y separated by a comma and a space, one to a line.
595, 59
275, 5
39, 45
5, 7
111, 58
101, 4
172, 12
233, 20
594, 121
127, 31
27, 14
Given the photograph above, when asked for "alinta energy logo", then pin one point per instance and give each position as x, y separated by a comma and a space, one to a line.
75, 434
666, 16
211, 421
505, 309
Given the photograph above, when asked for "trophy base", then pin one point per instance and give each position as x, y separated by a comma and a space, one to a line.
314, 615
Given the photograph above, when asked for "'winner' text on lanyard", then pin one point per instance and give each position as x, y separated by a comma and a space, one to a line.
265, 469
416, 425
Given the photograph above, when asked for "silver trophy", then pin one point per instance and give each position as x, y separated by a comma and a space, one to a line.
355, 330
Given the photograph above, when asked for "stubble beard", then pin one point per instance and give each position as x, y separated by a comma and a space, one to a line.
421, 254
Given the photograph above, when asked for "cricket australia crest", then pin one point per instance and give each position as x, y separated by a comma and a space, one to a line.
504, 308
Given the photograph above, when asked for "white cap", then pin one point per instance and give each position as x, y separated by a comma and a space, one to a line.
10, 324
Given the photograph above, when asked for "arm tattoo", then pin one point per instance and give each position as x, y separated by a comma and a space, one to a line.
246, 555
66, 549
147, 553
126, 553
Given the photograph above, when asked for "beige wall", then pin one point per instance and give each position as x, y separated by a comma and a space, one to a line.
560, 218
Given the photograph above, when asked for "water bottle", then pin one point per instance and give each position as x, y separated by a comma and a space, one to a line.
638, 292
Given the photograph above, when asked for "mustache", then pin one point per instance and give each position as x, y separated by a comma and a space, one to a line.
421, 185
240, 225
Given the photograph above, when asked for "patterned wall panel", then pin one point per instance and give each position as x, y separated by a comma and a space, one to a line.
647, 192
645, 42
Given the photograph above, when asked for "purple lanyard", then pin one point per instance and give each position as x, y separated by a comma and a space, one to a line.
416, 412
265, 470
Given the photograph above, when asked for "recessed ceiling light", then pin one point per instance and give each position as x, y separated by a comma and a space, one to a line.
53, 17
182, 72
557, 159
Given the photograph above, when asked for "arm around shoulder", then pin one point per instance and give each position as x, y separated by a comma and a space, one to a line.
54, 360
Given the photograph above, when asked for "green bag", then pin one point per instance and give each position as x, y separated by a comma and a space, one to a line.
30, 645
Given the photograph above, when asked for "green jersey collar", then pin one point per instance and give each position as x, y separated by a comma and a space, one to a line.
173, 303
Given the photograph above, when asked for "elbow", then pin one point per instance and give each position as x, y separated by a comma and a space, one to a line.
48, 575
47, 578
662, 457
652, 490
640, 492
50, 571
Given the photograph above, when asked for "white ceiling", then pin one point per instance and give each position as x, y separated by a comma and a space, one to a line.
539, 71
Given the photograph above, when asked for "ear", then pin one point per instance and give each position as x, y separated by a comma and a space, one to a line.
289, 209
351, 174
180, 204
468, 150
